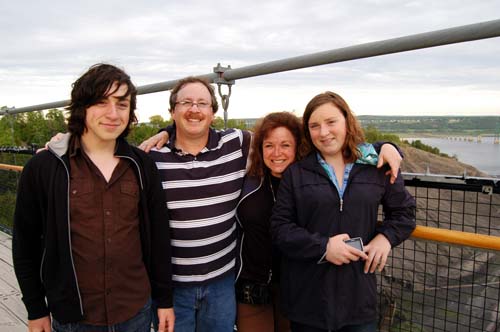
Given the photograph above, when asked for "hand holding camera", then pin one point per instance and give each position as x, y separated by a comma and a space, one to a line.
339, 252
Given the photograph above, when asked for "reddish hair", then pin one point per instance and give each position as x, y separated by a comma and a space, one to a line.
262, 130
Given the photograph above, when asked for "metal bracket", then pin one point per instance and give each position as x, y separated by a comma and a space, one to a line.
220, 80
7, 110
487, 190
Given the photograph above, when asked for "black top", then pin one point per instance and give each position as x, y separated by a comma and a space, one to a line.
260, 259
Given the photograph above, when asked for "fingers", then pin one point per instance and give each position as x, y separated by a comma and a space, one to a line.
372, 262
338, 252
159, 145
381, 265
378, 250
380, 161
146, 146
394, 175
355, 254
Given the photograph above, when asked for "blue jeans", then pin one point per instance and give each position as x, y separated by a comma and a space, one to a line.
368, 327
139, 323
206, 308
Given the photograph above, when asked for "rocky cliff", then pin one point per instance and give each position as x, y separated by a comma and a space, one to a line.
419, 161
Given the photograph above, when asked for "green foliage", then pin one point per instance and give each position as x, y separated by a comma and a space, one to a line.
7, 131
8, 203
470, 125
419, 145
143, 131
8, 187
372, 134
31, 128
218, 123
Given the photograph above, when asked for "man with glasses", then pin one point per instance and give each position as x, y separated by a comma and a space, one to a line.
202, 172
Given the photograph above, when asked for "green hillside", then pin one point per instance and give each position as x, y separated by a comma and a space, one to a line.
437, 125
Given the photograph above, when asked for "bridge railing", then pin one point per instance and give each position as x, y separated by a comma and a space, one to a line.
447, 276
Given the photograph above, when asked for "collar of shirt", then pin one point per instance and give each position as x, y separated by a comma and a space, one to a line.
213, 142
331, 174
75, 146
368, 157
368, 154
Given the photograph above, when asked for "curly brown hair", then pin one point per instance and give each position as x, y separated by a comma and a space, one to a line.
262, 129
354, 133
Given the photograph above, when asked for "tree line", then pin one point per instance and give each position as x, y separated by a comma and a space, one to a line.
36, 128
472, 125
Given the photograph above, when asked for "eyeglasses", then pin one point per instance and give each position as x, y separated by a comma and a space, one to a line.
188, 104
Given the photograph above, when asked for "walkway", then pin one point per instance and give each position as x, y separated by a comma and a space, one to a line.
12, 312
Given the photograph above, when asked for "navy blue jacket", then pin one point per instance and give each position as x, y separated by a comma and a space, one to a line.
41, 241
307, 213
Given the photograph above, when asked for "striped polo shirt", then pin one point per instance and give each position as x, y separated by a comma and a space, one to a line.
202, 192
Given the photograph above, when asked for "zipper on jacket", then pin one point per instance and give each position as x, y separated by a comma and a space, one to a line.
69, 233
239, 222
41, 264
341, 204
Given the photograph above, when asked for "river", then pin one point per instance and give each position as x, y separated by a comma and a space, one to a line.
484, 156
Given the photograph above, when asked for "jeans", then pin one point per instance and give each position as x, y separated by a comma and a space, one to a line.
367, 327
139, 323
205, 308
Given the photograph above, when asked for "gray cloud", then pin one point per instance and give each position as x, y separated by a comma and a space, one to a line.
47, 45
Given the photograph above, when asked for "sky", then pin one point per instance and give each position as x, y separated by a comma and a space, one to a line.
47, 45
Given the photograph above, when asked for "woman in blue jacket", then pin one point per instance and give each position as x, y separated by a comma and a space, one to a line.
330, 196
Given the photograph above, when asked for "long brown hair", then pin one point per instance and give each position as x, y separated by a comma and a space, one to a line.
354, 133
263, 128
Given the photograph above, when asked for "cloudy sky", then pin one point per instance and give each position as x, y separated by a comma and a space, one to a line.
46, 45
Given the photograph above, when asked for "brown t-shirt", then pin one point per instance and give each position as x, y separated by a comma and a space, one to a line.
106, 243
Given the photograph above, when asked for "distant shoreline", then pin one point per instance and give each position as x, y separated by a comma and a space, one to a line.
466, 149
407, 135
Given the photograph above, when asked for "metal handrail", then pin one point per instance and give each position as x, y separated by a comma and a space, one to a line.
14, 168
486, 242
465, 33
